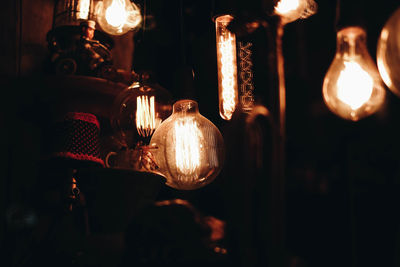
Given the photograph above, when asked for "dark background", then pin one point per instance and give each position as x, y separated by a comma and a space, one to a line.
342, 178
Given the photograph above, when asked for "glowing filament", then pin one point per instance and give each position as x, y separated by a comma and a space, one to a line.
354, 86
145, 116
286, 6
228, 70
116, 14
83, 8
187, 146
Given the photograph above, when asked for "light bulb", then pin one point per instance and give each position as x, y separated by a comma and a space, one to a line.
117, 17
83, 9
189, 149
388, 53
291, 10
227, 68
137, 112
352, 86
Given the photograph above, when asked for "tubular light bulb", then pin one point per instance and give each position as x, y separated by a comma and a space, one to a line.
117, 17
388, 53
189, 148
137, 112
352, 86
227, 68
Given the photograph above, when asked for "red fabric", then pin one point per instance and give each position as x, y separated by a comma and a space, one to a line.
78, 137
83, 117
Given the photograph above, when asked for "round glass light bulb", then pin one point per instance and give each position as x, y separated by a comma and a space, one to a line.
189, 149
291, 10
388, 53
137, 112
117, 17
352, 87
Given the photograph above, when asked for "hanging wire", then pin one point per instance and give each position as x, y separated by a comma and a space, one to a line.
181, 33
144, 18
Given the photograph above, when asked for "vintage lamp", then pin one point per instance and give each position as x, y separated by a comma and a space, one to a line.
117, 17
188, 148
352, 87
227, 67
388, 53
137, 112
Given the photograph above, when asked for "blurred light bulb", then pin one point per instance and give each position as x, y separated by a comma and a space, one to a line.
227, 68
388, 53
116, 14
83, 9
117, 17
286, 6
137, 112
189, 148
291, 10
352, 87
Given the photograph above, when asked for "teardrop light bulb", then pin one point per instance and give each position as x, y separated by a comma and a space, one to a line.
117, 17
189, 149
352, 86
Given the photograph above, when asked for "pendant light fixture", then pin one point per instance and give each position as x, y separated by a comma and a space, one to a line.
227, 67
137, 112
189, 148
352, 88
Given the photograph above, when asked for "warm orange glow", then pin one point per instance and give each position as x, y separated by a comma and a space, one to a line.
146, 122
354, 85
286, 6
187, 150
227, 68
116, 14
83, 8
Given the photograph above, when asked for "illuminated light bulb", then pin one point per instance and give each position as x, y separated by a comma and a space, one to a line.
291, 10
352, 86
388, 53
117, 17
137, 112
189, 148
227, 68
83, 9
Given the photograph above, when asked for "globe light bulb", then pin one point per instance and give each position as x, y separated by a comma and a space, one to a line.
227, 68
137, 112
291, 10
189, 149
117, 17
352, 87
388, 53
